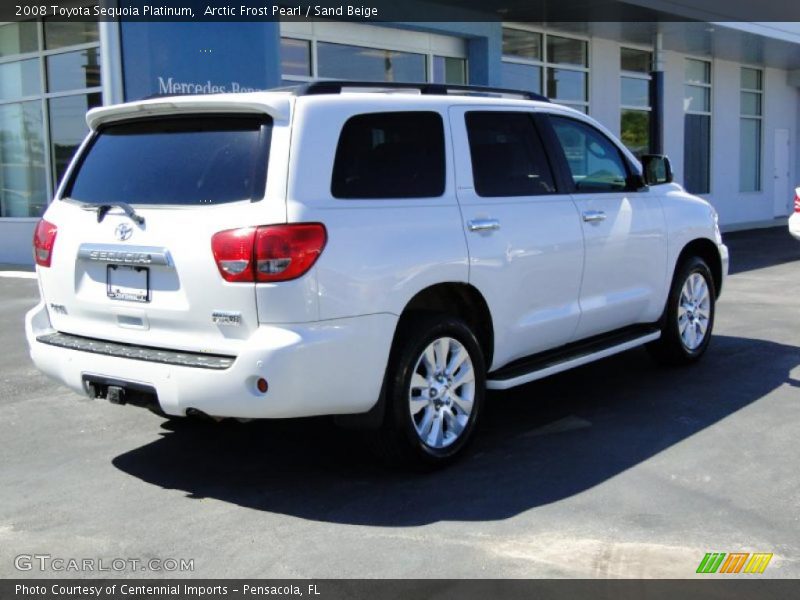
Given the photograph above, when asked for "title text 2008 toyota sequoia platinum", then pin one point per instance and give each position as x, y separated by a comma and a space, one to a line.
383, 254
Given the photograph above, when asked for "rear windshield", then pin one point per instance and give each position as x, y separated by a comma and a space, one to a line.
184, 161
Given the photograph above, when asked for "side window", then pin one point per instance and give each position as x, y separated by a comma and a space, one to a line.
594, 161
390, 155
507, 155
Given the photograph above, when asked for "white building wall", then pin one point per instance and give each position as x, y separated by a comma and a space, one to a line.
604, 83
673, 111
781, 100
779, 112
731, 205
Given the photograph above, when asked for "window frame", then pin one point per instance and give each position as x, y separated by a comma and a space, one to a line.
709, 114
41, 54
623, 73
545, 65
636, 75
312, 37
760, 120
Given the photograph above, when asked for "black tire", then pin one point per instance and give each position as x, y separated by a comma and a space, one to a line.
671, 348
398, 440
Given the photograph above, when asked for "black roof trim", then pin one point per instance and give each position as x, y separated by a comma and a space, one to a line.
436, 89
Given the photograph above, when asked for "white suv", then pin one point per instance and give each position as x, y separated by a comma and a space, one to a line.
383, 253
794, 218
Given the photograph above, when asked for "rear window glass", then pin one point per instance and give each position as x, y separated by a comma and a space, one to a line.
390, 155
183, 161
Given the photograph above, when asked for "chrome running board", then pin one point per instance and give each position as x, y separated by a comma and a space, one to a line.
546, 364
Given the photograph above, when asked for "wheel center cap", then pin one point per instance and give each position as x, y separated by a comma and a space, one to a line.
437, 392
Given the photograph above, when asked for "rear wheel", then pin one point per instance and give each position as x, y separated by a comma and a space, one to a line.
435, 391
689, 316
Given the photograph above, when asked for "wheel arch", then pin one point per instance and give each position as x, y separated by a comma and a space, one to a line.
707, 250
461, 300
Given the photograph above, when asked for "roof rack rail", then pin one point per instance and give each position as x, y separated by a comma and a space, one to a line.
437, 89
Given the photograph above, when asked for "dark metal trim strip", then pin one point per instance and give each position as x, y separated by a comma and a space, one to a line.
144, 353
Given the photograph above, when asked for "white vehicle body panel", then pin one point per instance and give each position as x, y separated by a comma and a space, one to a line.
625, 268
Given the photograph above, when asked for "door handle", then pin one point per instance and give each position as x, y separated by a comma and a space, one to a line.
593, 216
483, 225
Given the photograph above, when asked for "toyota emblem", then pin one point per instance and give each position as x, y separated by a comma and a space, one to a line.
123, 232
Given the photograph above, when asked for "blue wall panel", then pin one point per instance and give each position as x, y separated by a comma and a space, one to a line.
171, 58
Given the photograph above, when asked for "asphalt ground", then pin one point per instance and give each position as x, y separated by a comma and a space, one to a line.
617, 469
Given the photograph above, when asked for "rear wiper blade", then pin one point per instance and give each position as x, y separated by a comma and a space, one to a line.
127, 208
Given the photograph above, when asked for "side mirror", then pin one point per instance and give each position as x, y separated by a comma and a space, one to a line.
657, 169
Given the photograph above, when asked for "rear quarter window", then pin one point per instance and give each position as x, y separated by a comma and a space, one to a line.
390, 155
197, 160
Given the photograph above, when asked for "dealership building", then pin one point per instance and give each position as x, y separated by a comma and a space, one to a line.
719, 98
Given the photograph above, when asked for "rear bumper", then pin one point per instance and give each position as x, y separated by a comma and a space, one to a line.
323, 368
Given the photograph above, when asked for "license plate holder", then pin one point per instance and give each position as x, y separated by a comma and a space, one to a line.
124, 282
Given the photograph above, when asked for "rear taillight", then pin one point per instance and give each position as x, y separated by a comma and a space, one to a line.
269, 252
233, 251
44, 238
797, 201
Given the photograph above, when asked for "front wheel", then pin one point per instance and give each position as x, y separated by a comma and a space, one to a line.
689, 316
435, 391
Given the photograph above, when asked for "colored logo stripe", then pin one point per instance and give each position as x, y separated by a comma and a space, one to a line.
734, 562
713, 562
758, 562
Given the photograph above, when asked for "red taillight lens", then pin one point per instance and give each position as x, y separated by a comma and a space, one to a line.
233, 251
269, 252
44, 238
286, 252
797, 201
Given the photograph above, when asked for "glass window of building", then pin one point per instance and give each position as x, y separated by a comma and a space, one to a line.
295, 58
518, 43
18, 38
751, 98
447, 69
323, 56
697, 126
635, 99
341, 61
553, 65
49, 78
